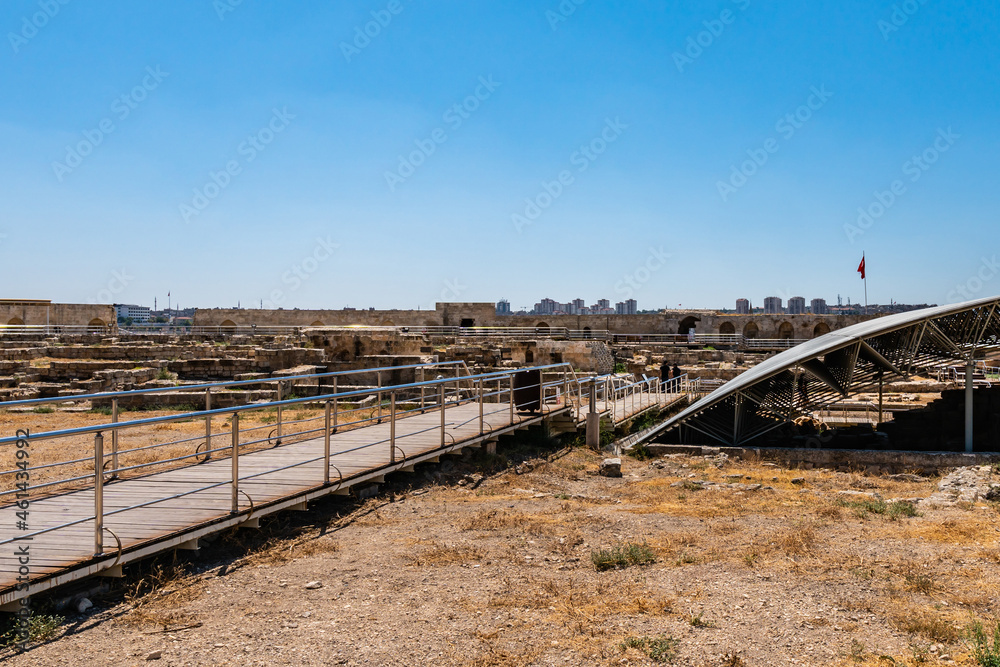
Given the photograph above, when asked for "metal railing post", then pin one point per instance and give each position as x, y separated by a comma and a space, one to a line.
235, 481
566, 396
114, 438
378, 396
334, 427
441, 392
481, 429
421, 390
208, 424
98, 493
511, 376
326, 443
541, 392
278, 441
392, 427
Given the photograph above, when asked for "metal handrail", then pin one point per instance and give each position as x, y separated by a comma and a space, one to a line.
478, 380
213, 385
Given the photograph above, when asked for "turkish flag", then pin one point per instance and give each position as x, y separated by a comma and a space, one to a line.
861, 267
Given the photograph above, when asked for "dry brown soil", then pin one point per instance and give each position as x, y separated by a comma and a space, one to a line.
501, 574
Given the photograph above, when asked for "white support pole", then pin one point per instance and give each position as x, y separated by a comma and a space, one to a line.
969, 368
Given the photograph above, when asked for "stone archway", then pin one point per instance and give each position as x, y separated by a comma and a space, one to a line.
786, 331
228, 326
727, 328
586, 332
751, 330
687, 324
96, 323
15, 322
542, 325
821, 329
317, 323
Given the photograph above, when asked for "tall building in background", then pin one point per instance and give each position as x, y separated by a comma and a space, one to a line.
742, 306
796, 305
503, 307
772, 305
628, 307
818, 307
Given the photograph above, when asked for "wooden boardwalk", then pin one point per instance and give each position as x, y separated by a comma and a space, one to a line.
176, 507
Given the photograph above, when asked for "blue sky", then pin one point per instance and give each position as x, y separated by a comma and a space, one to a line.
679, 153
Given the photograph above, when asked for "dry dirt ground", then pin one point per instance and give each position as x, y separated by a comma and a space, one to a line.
499, 571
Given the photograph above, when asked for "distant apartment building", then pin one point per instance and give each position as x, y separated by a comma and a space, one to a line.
132, 312
796, 306
503, 307
818, 307
546, 307
772, 305
628, 307
742, 306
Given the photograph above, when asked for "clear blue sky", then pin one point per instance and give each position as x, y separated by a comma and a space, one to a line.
312, 117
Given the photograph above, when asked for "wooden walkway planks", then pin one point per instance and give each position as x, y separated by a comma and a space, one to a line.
266, 476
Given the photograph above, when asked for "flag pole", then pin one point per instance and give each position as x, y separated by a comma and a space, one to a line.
866, 283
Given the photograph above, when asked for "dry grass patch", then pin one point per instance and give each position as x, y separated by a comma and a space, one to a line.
500, 520
495, 656
159, 598
580, 603
975, 530
444, 554
936, 625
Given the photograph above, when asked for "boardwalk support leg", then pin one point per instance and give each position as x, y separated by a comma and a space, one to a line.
235, 481
326, 443
98, 493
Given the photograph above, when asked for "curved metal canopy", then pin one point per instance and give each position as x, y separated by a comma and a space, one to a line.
824, 370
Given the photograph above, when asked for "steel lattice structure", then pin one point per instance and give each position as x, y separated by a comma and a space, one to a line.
822, 371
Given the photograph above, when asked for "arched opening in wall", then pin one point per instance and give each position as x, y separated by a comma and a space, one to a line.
542, 325
751, 330
785, 331
687, 324
727, 328
820, 329
586, 332
467, 322
228, 326
317, 323
529, 356
15, 322
387, 323
96, 324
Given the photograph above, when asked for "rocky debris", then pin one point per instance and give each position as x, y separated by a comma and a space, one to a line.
962, 485
83, 605
798, 480
907, 477
704, 484
154, 655
993, 494
610, 468
472, 481
313, 585
867, 495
